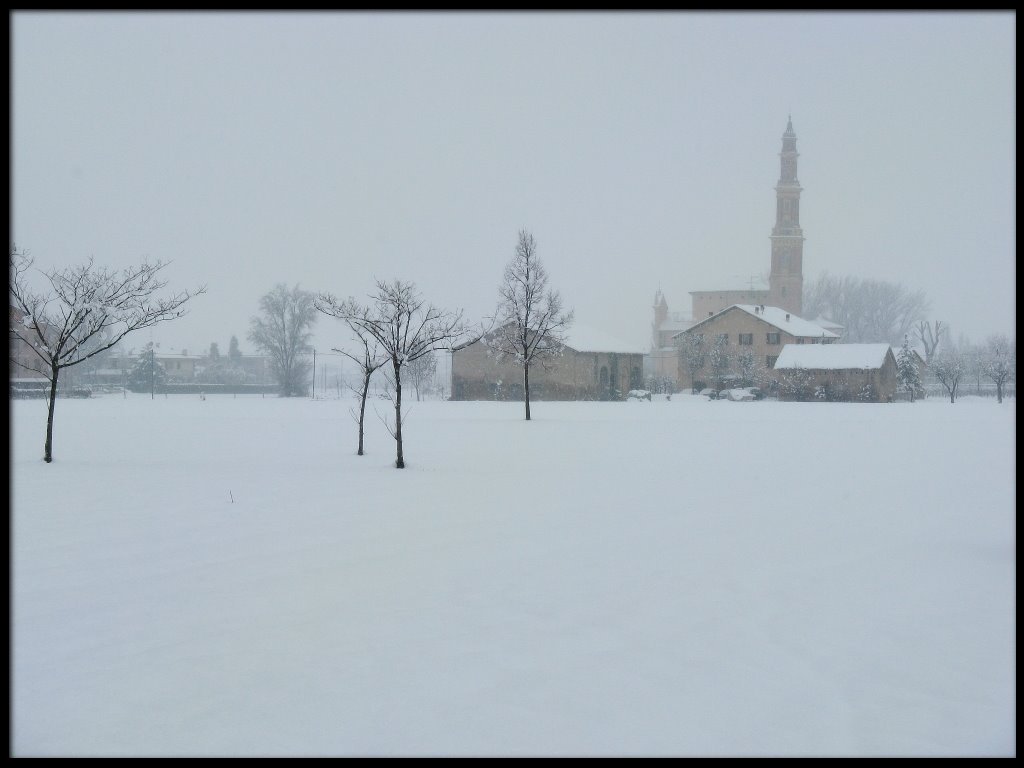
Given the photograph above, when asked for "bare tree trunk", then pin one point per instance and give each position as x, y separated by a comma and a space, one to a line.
48, 448
362, 411
400, 461
526, 386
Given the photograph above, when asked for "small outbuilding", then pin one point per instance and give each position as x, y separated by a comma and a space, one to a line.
837, 372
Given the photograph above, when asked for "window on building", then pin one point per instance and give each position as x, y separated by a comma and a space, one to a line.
746, 339
773, 339
799, 339
769, 361
724, 338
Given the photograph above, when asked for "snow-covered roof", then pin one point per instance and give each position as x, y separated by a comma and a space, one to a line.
916, 353
583, 338
824, 322
787, 321
832, 356
781, 319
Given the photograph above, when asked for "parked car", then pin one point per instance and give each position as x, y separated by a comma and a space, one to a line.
757, 392
736, 395
710, 393
638, 394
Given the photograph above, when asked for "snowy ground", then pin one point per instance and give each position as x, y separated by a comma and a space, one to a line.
226, 577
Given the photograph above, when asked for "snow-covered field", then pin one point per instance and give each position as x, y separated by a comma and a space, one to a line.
685, 577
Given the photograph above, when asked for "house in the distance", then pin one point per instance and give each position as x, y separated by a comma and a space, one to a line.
757, 331
592, 366
837, 372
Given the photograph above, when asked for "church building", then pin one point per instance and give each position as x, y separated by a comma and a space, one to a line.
785, 281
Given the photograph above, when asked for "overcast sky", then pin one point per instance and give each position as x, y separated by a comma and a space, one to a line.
640, 149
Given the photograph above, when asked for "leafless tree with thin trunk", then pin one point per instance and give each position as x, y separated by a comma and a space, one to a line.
693, 353
421, 372
930, 334
1000, 364
531, 325
369, 358
406, 328
84, 311
949, 369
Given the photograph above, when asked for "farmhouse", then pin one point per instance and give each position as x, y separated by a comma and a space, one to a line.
754, 332
591, 367
837, 372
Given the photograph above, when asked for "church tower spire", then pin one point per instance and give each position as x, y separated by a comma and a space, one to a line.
786, 281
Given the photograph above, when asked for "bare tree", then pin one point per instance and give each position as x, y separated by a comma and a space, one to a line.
531, 324
720, 359
1000, 362
84, 311
870, 311
369, 358
693, 352
406, 328
949, 369
283, 332
930, 335
421, 372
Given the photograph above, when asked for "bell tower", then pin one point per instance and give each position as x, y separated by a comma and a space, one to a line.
786, 281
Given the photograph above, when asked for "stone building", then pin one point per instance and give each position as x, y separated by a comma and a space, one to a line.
837, 372
758, 331
591, 367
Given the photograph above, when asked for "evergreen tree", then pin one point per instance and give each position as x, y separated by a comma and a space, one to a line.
147, 372
234, 353
907, 373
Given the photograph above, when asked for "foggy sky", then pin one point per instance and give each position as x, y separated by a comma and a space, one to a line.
640, 149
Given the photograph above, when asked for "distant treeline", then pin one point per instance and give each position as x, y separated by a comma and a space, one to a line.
206, 389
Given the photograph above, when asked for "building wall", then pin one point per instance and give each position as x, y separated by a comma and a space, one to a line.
178, 367
477, 375
846, 385
733, 324
708, 303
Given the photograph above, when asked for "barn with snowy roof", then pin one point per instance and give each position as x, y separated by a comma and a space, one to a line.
837, 372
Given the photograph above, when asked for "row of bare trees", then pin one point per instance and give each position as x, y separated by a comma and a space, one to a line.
398, 330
